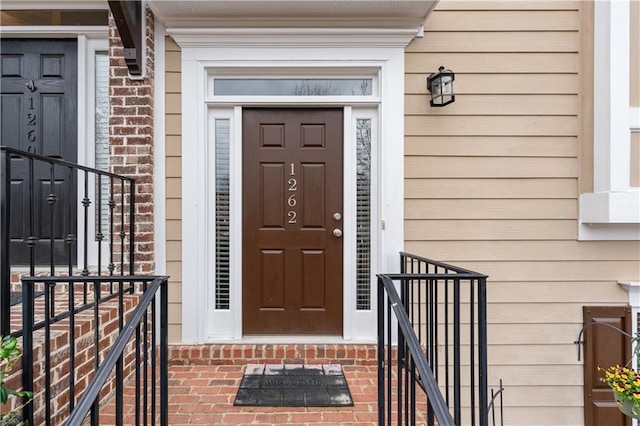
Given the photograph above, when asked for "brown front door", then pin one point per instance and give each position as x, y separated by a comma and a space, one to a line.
292, 206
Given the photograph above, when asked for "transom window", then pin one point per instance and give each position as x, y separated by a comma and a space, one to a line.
292, 87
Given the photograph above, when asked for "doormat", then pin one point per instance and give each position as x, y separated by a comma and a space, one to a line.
294, 385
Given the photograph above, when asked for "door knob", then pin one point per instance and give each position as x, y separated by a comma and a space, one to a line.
337, 233
337, 216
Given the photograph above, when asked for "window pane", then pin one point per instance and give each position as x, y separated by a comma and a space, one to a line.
102, 139
363, 214
292, 87
222, 213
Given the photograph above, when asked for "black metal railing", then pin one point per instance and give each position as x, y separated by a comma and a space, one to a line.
438, 345
148, 407
66, 351
39, 223
412, 362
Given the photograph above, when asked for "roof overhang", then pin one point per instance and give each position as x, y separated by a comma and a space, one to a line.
292, 13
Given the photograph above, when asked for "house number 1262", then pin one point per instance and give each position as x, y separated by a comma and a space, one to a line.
292, 187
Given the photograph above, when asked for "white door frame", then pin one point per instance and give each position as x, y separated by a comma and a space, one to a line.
203, 52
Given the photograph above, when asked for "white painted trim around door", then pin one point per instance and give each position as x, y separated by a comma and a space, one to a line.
202, 56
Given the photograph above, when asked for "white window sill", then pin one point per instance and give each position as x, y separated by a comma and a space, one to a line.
610, 216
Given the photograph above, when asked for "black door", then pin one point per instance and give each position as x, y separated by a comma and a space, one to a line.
39, 115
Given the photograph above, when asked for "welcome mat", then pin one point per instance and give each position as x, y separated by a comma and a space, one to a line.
294, 385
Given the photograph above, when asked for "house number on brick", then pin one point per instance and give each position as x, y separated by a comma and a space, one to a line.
291, 201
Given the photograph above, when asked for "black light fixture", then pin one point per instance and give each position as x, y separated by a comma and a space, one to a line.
440, 84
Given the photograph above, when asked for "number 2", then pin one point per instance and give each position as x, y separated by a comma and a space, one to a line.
292, 217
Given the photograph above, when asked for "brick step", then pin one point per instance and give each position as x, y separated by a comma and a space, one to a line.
241, 354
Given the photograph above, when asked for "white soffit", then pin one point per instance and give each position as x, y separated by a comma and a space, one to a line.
292, 13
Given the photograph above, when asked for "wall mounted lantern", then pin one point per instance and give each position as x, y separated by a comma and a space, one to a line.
440, 84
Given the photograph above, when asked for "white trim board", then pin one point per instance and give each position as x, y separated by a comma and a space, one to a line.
612, 211
50, 31
204, 54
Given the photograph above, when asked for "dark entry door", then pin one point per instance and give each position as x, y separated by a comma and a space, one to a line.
604, 347
292, 221
39, 115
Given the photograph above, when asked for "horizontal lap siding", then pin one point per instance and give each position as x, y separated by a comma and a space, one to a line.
491, 183
173, 183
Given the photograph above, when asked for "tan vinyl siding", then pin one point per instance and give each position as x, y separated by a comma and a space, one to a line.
173, 186
492, 184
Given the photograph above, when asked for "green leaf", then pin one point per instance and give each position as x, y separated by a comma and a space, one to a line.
4, 394
11, 343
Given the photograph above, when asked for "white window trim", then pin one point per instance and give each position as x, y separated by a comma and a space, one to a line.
612, 211
203, 50
86, 150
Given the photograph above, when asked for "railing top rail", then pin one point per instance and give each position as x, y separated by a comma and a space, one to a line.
63, 163
460, 276
93, 278
84, 405
425, 375
457, 269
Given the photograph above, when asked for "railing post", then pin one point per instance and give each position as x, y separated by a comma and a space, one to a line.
482, 351
381, 302
164, 353
5, 243
132, 230
27, 347
457, 412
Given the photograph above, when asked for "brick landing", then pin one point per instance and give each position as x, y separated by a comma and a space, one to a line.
203, 381
204, 395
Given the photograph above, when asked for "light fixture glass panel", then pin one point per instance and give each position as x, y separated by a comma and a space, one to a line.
292, 87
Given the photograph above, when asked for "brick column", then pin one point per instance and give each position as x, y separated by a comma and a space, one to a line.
131, 137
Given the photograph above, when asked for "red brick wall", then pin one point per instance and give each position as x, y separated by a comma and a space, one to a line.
85, 349
131, 137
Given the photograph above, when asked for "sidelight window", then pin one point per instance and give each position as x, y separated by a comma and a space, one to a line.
222, 136
363, 214
102, 138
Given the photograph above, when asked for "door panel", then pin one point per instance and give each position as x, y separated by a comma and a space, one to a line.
39, 115
292, 186
604, 347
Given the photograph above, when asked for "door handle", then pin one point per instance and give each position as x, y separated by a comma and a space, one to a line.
337, 233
